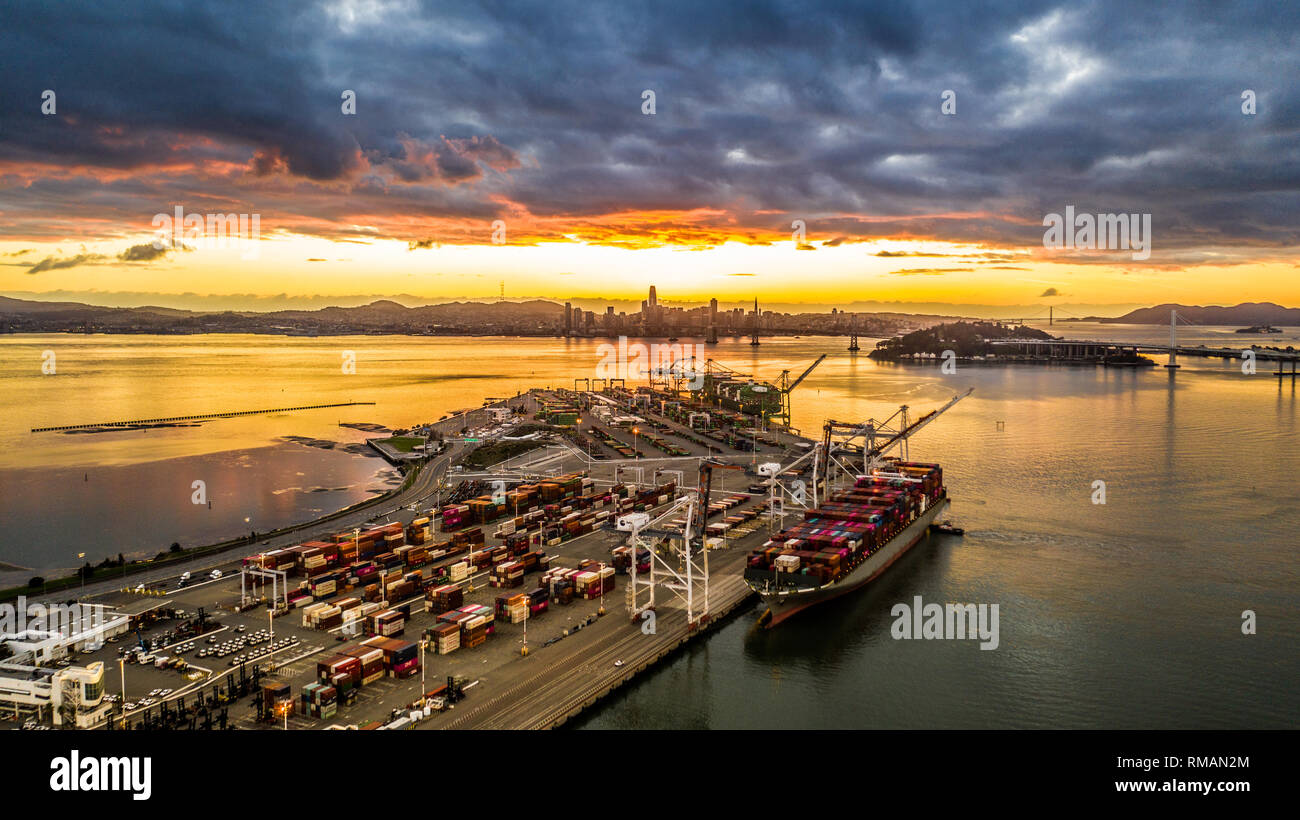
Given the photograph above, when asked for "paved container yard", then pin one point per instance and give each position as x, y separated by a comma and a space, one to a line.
575, 655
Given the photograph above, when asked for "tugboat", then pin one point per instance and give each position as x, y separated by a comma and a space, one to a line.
947, 528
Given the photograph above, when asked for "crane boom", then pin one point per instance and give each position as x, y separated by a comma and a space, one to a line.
804, 375
869, 432
915, 426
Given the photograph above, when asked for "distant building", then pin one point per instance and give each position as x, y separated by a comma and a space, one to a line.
71, 696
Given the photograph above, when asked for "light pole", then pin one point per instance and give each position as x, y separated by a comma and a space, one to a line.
121, 670
82, 570
524, 650
270, 619
424, 647
635, 452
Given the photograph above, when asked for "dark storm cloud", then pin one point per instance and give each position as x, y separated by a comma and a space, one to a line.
50, 263
142, 253
826, 111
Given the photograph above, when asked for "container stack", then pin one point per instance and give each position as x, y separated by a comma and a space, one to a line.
455, 516
444, 598
320, 700
371, 660
507, 575
446, 637
418, 532
322, 616
473, 632
335, 665
559, 584
455, 617
324, 585
412, 556
400, 590
538, 602
484, 612
388, 623
515, 608
458, 571
592, 583
401, 658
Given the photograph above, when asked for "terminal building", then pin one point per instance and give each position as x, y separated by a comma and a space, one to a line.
37, 678
70, 696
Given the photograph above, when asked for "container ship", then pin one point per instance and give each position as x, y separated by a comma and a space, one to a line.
847, 541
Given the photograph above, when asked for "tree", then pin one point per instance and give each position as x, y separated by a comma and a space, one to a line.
36, 581
176, 547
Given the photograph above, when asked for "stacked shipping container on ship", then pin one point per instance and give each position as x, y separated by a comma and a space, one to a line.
847, 541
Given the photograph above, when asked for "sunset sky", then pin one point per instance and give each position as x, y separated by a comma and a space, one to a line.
531, 114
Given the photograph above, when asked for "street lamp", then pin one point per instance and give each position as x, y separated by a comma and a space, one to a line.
524, 650
635, 452
270, 619
121, 670
424, 644
82, 570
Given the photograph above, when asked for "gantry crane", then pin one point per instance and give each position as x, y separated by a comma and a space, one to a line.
786, 386
844, 455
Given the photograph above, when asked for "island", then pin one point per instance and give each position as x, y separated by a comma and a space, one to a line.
996, 343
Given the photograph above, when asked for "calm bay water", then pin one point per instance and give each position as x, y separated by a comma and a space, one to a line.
1125, 615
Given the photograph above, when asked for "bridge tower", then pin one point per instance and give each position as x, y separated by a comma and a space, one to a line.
1173, 340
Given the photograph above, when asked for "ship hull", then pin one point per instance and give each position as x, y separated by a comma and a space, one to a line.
785, 604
